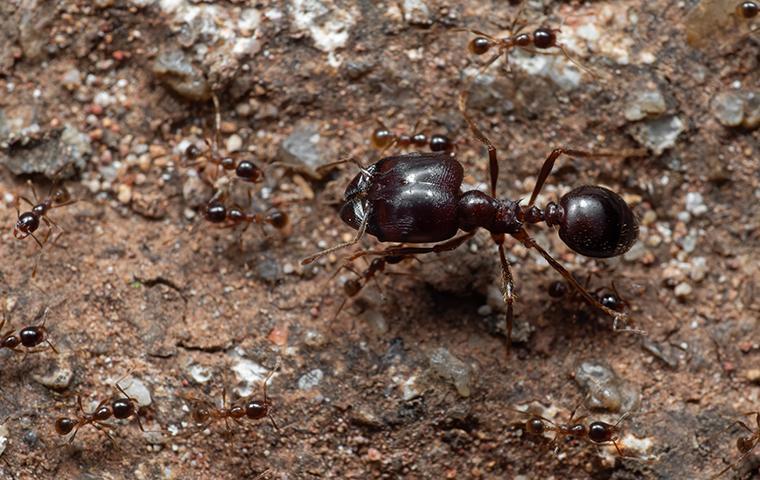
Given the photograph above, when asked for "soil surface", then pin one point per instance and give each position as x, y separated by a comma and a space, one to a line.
411, 379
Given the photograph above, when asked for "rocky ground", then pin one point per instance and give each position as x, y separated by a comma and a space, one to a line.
411, 379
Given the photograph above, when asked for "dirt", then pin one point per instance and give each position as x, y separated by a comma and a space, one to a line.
411, 379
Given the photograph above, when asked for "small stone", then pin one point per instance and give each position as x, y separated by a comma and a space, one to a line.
199, 373
753, 375
234, 143
417, 13
683, 291
661, 133
374, 455
195, 191
728, 108
645, 104
56, 374
695, 204
636, 252
604, 388
136, 389
178, 73
4, 433
376, 320
485, 310
305, 147
698, 269
310, 379
251, 374
451, 368
72, 79
124, 193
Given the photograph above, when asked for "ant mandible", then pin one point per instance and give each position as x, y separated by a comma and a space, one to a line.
251, 409
597, 432
28, 337
245, 170
383, 139
120, 408
745, 444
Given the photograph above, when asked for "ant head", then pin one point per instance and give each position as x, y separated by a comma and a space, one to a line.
277, 218
611, 301
535, 426
600, 432
192, 152
31, 336
249, 172
747, 10
64, 426
215, 212
594, 221
352, 287
26, 224
557, 289
256, 409
201, 415
745, 444
479, 45
440, 143
61, 195
545, 37
124, 407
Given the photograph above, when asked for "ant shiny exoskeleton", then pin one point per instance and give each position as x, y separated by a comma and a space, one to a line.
596, 432
747, 10
247, 408
383, 139
120, 408
245, 170
417, 198
28, 337
231, 217
28, 222
745, 444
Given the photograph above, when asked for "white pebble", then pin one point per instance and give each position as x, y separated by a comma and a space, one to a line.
310, 379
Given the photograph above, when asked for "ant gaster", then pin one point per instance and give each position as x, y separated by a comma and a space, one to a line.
745, 444
120, 408
417, 198
28, 337
250, 408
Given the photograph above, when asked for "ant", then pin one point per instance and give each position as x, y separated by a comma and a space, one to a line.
29, 222
543, 38
417, 198
120, 408
245, 170
724, 16
28, 337
610, 298
744, 444
231, 217
597, 432
383, 139
747, 10
251, 409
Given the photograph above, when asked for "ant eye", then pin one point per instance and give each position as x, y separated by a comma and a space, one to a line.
479, 45
596, 222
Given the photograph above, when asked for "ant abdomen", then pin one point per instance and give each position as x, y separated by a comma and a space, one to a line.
594, 221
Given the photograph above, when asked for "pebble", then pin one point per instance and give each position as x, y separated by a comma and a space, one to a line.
683, 291
136, 389
698, 269
753, 375
56, 375
695, 204
124, 193
4, 433
374, 455
234, 143
65, 146
251, 374
604, 388
72, 79
310, 379
661, 133
305, 146
737, 109
643, 104
451, 368
328, 26
416, 12
376, 320
199, 373
177, 72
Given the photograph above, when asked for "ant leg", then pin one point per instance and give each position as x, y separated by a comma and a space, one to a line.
34, 191
410, 251
341, 162
508, 292
493, 164
617, 317
732, 465
37, 240
26, 200
271, 420
359, 235
104, 430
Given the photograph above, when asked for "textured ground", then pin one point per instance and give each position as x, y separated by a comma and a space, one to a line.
411, 379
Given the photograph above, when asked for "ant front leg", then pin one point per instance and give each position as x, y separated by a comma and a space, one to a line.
508, 292
446, 246
617, 317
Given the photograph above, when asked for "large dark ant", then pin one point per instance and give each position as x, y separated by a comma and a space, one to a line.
597, 432
29, 222
745, 444
245, 170
417, 198
120, 408
383, 139
249, 408
28, 337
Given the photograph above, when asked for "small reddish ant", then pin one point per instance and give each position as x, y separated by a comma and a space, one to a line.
28, 222
610, 298
383, 139
231, 217
120, 408
745, 444
747, 10
28, 337
597, 432
245, 170
248, 408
